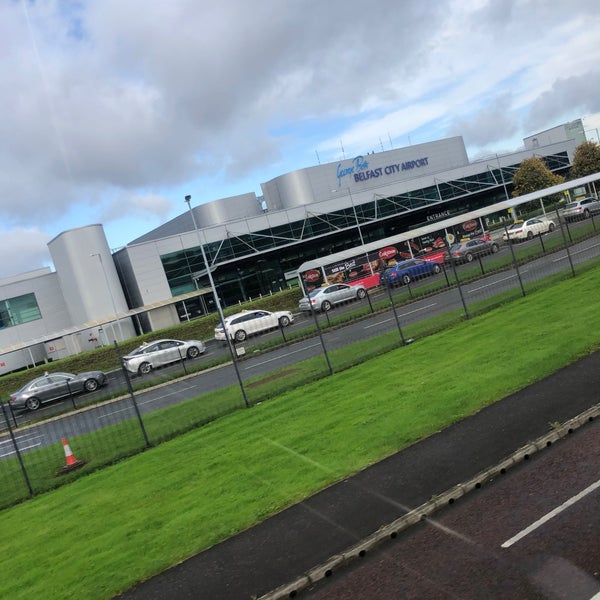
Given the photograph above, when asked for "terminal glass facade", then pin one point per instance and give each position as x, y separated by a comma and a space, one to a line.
248, 265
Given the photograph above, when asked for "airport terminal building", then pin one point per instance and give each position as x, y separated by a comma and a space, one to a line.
253, 244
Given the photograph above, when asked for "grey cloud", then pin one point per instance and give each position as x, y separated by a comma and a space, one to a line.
581, 93
493, 123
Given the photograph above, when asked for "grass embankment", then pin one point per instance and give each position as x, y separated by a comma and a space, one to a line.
104, 532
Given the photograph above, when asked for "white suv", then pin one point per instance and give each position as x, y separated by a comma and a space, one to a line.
248, 322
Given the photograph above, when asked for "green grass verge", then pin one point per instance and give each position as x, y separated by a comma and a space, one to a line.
122, 524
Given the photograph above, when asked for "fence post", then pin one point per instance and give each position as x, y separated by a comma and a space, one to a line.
514, 258
131, 393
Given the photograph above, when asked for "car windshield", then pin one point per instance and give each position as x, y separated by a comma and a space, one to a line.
516, 226
455, 247
572, 205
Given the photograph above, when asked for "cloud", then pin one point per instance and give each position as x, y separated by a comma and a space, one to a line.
113, 106
21, 248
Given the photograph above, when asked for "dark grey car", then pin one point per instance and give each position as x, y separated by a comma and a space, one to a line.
467, 251
54, 386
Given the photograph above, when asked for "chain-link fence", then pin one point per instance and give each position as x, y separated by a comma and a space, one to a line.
166, 387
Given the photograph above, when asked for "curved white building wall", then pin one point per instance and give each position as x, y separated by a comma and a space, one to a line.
370, 173
87, 274
227, 209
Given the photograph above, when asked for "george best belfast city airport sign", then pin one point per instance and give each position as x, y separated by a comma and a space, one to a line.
359, 170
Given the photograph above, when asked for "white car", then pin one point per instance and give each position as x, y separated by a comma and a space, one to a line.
248, 322
161, 352
528, 229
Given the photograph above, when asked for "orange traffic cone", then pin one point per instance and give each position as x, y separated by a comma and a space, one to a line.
71, 461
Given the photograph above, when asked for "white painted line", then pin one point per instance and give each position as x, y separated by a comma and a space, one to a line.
19, 438
21, 449
551, 515
586, 249
482, 287
410, 312
264, 362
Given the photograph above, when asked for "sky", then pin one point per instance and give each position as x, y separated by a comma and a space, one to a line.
113, 110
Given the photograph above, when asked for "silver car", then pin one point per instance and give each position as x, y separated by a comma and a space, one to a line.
161, 352
54, 386
581, 209
324, 298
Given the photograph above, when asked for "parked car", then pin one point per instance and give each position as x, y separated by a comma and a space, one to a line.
407, 270
581, 209
161, 352
248, 322
54, 386
467, 251
324, 298
528, 229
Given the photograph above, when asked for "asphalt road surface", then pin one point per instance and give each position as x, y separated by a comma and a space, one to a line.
291, 543
534, 533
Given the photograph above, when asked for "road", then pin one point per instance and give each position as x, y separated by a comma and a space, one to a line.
153, 399
534, 533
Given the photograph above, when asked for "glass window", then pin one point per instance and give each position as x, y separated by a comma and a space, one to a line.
18, 310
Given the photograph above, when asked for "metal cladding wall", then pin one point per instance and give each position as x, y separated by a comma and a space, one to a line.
227, 209
372, 172
86, 281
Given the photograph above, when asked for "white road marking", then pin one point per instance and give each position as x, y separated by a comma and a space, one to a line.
551, 515
21, 448
18, 438
264, 362
482, 287
401, 315
586, 249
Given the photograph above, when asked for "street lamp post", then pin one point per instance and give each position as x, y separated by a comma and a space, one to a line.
112, 298
213, 288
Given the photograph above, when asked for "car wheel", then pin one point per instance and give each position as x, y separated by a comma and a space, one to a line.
469, 257
361, 294
240, 335
144, 368
495, 248
405, 279
551, 227
436, 268
284, 321
193, 352
530, 235
32, 403
90, 385
325, 306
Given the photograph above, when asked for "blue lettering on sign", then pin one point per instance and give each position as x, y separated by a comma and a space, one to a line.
360, 171
358, 164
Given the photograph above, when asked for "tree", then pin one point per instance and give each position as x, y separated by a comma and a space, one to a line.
533, 175
586, 160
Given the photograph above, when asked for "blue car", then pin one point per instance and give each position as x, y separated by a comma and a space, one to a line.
408, 270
